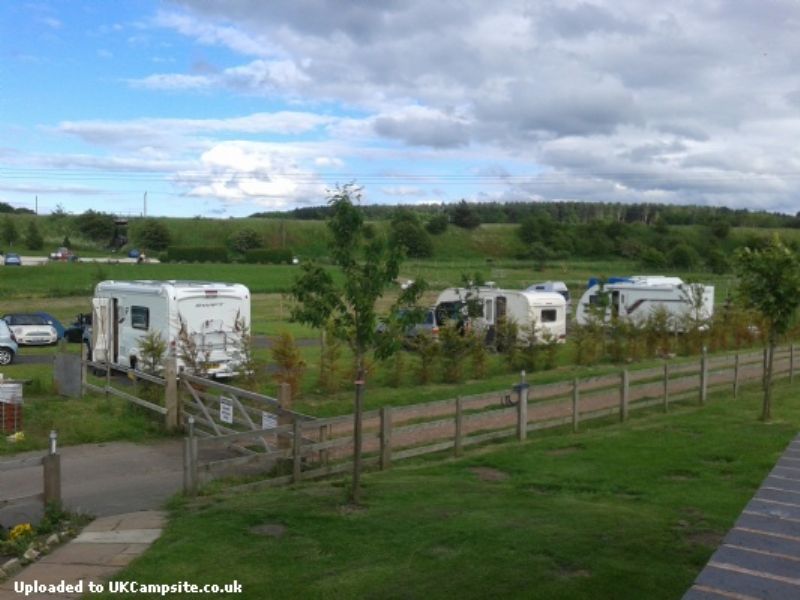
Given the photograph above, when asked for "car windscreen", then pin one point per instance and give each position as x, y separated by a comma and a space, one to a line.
24, 320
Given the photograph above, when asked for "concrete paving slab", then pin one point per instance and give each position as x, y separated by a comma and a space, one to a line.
120, 536
768, 508
763, 541
771, 564
721, 577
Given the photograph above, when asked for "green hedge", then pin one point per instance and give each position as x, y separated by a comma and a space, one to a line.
217, 254
269, 255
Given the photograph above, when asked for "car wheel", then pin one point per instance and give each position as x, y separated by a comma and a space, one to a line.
6, 356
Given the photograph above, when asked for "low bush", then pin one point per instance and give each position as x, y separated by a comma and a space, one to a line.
269, 256
217, 254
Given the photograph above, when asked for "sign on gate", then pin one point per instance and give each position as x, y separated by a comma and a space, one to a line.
268, 420
225, 411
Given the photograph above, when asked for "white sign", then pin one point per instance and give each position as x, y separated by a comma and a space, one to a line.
225, 411
268, 420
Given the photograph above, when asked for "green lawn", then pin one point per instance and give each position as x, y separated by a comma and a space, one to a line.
617, 511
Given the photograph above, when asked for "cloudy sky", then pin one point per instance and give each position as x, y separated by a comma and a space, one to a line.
227, 107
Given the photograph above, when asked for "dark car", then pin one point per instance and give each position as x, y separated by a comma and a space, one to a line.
12, 260
76, 333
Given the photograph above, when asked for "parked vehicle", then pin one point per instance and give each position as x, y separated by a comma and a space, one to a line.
205, 318
552, 286
636, 298
426, 325
63, 253
51, 320
8, 344
31, 329
544, 312
77, 331
12, 260
134, 253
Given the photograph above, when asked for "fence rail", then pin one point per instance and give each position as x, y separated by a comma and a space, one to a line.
320, 447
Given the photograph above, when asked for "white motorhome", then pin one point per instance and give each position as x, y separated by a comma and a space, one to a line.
636, 298
545, 311
211, 315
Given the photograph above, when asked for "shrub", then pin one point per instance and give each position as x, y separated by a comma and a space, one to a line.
245, 239
465, 216
269, 256
290, 364
151, 234
330, 353
34, 239
683, 256
438, 224
427, 348
197, 254
453, 350
651, 258
96, 226
407, 232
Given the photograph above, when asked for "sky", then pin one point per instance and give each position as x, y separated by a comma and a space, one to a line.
224, 108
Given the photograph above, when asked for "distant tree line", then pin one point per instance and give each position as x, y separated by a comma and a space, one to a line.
566, 212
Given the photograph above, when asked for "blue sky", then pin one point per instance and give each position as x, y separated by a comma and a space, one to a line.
225, 108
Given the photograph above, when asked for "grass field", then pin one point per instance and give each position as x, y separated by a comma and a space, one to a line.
617, 511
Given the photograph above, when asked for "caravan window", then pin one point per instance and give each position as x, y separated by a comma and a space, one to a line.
488, 311
549, 315
140, 317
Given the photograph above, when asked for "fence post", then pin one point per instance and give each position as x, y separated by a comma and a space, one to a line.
296, 455
623, 395
51, 467
386, 437
522, 409
190, 460
576, 415
284, 416
172, 418
704, 376
84, 368
666, 386
736, 376
323, 437
459, 426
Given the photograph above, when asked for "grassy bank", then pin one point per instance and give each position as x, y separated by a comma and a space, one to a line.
618, 511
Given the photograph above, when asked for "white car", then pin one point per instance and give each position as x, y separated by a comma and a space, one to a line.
31, 330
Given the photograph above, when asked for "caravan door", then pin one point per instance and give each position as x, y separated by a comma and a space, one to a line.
101, 329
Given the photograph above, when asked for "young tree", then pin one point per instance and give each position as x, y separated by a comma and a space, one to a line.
9, 231
33, 239
369, 264
769, 283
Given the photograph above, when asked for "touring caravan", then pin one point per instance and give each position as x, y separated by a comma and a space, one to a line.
545, 311
636, 298
204, 317
552, 286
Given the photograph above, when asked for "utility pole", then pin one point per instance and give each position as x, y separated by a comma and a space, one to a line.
144, 207
36, 205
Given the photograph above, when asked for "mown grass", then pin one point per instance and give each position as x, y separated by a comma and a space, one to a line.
617, 511
86, 420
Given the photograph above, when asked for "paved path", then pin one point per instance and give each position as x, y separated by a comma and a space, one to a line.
102, 479
760, 556
102, 549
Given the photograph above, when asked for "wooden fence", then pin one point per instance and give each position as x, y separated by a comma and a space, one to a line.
307, 449
51, 475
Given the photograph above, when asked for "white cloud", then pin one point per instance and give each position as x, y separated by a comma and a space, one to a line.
679, 101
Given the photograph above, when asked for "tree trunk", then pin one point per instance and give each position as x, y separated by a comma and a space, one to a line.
766, 413
355, 493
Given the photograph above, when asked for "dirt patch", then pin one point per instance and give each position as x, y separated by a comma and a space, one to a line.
352, 509
274, 530
573, 573
567, 450
708, 539
489, 474
680, 476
